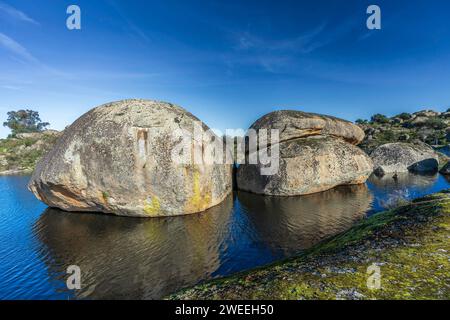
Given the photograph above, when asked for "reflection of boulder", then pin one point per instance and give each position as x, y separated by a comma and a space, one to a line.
123, 258
402, 180
294, 223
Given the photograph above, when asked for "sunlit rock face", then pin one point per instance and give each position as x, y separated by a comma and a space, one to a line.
316, 153
297, 124
119, 158
404, 157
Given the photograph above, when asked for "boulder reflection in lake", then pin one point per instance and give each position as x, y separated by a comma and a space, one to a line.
406, 185
132, 258
294, 223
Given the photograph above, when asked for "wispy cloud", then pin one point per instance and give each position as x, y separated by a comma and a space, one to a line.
304, 43
282, 55
9, 87
131, 25
16, 14
16, 48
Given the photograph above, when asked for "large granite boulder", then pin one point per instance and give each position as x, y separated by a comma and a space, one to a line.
297, 124
316, 153
308, 166
404, 157
119, 158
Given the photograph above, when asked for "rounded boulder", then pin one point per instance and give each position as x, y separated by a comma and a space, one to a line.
122, 158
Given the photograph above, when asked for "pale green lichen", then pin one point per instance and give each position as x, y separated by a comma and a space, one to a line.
152, 206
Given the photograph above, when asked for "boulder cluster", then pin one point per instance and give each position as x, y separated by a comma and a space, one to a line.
119, 158
317, 153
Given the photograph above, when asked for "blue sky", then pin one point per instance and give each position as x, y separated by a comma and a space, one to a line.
228, 62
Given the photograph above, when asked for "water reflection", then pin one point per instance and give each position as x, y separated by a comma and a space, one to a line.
402, 180
291, 224
126, 258
404, 186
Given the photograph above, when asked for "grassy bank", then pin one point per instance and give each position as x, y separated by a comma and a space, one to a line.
20, 154
410, 245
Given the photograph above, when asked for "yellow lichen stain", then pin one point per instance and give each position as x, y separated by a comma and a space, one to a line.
197, 202
152, 207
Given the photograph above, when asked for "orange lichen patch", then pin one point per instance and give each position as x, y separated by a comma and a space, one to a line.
68, 197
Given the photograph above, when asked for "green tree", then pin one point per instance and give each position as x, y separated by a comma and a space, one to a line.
435, 123
379, 118
22, 121
404, 116
361, 121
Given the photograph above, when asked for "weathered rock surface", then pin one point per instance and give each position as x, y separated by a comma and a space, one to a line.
297, 124
404, 157
307, 166
117, 158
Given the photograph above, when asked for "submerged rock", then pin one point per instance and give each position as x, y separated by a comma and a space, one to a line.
118, 158
308, 166
404, 157
297, 124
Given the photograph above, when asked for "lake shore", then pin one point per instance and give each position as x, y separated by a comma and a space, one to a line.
410, 245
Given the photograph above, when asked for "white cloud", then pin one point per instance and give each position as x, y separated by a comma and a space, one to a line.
9, 87
16, 48
16, 14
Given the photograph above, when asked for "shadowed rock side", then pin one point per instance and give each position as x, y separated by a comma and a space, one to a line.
125, 258
117, 158
297, 124
308, 166
404, 157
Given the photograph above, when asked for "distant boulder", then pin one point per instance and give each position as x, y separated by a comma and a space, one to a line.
404, 157
426, 113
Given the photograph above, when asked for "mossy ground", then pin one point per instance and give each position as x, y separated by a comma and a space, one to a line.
410, 245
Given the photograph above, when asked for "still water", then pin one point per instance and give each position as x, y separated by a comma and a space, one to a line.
133, 258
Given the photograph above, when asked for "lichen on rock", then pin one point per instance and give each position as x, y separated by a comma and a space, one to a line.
127, 148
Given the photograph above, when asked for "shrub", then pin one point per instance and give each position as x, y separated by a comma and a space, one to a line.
379, 118
404, 116
435, 123
361, 121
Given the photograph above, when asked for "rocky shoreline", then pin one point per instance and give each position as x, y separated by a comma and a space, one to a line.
410, 245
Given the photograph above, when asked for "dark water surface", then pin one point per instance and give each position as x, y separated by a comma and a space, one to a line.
133, 258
